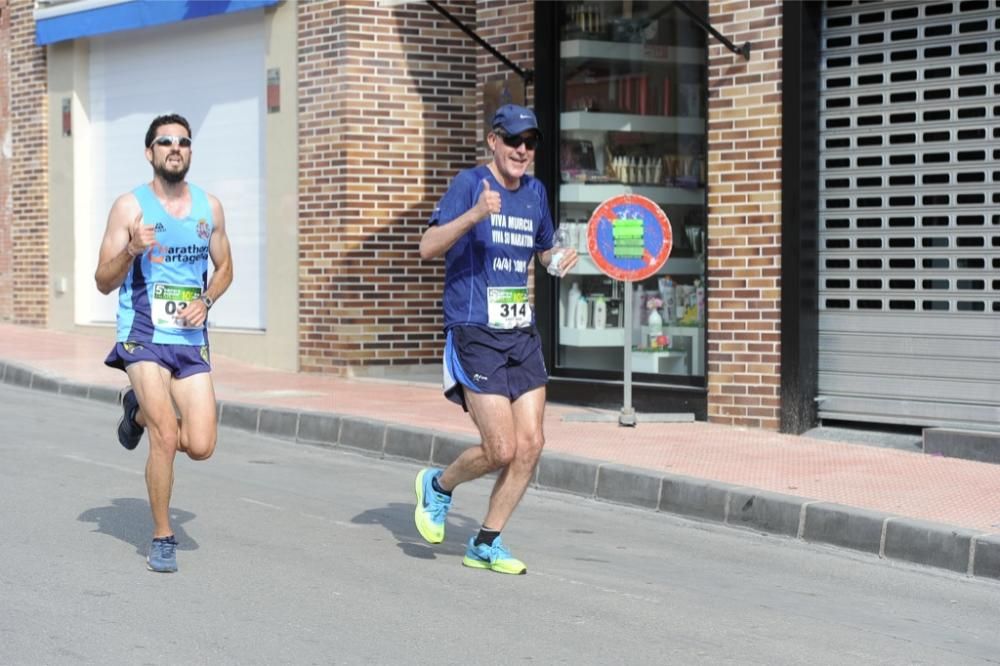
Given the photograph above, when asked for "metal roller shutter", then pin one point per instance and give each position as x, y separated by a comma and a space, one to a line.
909, 221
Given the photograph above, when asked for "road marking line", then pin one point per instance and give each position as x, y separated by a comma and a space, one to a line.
338, 523
259, 503
120, 468
599, 588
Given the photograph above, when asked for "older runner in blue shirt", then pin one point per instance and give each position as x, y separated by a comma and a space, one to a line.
491, 223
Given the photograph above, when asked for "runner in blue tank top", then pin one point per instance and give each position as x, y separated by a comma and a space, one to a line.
489, 226
156, 248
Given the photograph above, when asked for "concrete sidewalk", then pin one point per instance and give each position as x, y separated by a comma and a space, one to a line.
896, 504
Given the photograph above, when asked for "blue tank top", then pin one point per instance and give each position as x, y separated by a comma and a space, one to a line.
169, 275
486, 270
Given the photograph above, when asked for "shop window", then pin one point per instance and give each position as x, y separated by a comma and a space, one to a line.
632, 119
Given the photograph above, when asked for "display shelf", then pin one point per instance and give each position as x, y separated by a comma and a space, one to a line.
591, 337
625, 122
581, 193
660, 362
697, 335
674, 266
590, 49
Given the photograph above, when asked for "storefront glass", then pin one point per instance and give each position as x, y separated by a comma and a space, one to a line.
632, 120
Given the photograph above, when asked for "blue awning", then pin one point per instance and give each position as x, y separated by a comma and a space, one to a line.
59, 21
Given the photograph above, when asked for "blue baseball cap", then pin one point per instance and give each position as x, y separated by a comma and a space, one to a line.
514, 119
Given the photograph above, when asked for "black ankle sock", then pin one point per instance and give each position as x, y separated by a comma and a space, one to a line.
486, 536
439, 489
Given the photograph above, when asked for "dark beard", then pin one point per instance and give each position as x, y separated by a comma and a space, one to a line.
172, 177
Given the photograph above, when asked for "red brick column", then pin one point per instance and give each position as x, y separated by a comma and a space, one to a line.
744, 216
28, 217
385, 120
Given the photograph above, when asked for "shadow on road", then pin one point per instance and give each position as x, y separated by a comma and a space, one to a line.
397, 518
128, 519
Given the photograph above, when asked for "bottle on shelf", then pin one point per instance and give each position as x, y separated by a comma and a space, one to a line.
699, 289
582, 312
667, 294
572, 303
600, 311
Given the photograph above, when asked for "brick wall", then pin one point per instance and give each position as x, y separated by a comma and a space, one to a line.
744, 216
6, 148
510, 28
388, 113
29, 225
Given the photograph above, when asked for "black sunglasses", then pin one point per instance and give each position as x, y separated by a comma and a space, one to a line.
169, 140
515, 141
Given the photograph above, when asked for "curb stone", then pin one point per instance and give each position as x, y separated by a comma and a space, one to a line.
967, 551
857, 529
768, 512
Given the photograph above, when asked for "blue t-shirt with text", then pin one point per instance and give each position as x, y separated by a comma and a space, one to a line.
495, 252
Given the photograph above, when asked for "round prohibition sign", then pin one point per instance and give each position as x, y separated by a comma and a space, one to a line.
629, 237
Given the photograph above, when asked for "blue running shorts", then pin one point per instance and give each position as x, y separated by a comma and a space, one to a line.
181, 360
498, 362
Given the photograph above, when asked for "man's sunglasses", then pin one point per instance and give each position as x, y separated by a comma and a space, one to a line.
168, 140
515, 141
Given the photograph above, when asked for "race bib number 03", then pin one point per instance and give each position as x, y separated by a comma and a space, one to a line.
508, 307
169, 301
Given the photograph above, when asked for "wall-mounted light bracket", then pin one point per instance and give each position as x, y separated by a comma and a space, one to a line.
273, 90
67, 116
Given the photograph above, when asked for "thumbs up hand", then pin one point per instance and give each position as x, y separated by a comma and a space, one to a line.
141, 236
489, 201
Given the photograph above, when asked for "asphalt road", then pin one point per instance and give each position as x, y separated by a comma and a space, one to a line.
293, 554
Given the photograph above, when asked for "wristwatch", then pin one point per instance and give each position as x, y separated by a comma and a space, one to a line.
207, 300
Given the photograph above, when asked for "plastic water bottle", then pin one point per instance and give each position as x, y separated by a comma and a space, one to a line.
655, 323
561, 239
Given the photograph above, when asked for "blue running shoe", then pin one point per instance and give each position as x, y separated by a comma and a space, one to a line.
432, 507
163, 555
129, 432
494, 557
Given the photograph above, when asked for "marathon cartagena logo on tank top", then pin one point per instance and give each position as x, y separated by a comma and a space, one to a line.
165, 254
178, 259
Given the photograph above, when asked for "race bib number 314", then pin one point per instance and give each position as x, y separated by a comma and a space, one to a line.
169, 301
508, 307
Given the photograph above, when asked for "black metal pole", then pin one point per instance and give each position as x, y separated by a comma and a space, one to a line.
526, 75
742, 50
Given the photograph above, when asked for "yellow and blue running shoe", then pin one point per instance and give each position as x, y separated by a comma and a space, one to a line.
432, 507
494, 557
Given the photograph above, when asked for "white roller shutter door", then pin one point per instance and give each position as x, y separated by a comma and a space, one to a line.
211, 71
